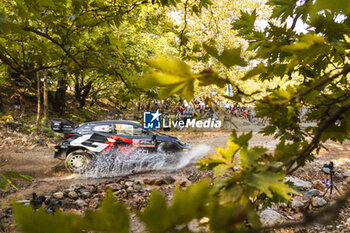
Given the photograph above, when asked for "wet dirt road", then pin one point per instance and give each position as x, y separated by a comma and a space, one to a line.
50, 174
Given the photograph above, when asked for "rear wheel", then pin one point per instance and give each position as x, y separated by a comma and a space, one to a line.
78, 161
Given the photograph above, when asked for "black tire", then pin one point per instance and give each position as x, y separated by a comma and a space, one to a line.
78, 161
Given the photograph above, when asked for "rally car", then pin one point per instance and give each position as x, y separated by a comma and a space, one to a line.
82, 144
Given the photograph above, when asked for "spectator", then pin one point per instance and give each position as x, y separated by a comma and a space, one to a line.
17, 104
0, 104
213, 93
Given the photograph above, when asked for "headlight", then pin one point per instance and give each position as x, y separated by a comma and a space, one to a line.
180, 142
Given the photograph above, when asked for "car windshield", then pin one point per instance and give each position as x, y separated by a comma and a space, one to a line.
155, 131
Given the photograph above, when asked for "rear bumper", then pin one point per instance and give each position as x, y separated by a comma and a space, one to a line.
60, 152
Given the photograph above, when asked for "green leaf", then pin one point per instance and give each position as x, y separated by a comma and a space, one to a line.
269, 183
245, 23
249, 157
308, 48
186, 206
220, 169
49, 3
282, 8
257, 70
209, 76
243, 139
6, 179
111, 217
229, 57
338, 6
172, 76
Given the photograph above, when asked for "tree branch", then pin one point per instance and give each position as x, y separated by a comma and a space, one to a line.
315, 141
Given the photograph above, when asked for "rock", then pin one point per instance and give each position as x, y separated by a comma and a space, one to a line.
298, 216
169, 180
318, 184
298, 182
348, 222
94, 203
204, 220
74, 211
184, 184
72, 195
58, 195
92, 189
146, 181
66, 191
32, 147
23, 201
113, 186
124, 195
80, 203
85, 194
311, 193
283, 205
158, 182
129, 183
299, 203
346, 174
318, 202
270, 217
129, 189
117, 193
137, 187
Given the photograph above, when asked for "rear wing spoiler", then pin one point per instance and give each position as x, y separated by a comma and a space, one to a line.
62, 125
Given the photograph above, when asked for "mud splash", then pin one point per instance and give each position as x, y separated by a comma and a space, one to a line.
115, 164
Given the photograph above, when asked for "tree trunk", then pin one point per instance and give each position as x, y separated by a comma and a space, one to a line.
39, 103
46, 101
60, 96
82, 91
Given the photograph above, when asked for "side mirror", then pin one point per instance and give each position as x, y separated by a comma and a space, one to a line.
154, 137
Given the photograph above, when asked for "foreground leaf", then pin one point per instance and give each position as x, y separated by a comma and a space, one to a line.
111, 217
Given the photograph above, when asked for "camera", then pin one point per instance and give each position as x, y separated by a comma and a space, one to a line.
328, 168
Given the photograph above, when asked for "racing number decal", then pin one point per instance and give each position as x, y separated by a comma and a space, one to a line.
118, 127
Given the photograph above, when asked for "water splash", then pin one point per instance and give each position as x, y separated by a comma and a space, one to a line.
116, 164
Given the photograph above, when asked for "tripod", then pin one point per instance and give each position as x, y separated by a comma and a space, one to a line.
331, 185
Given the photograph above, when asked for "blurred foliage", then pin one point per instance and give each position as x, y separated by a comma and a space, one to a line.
6, 179
110, 217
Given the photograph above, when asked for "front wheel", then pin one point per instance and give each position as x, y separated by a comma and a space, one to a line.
78, 161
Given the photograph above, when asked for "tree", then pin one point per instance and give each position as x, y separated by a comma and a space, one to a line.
92, 42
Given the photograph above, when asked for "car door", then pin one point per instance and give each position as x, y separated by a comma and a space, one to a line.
136, 135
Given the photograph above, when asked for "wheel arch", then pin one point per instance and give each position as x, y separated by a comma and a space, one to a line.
75, 149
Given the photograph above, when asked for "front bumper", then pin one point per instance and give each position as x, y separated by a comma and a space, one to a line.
185, 148
60, 152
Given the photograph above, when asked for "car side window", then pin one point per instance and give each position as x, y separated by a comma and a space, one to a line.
102, 129
127, 129
123, 129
